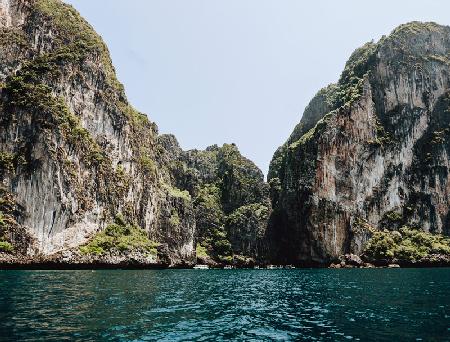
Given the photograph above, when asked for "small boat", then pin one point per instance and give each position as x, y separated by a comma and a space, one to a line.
228, 267
256, 267
201, 267
289, 267
271, 267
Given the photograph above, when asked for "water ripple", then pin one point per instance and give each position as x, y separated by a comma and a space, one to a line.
226, 305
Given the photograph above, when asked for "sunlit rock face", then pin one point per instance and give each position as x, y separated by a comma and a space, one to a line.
74, 153
370, 151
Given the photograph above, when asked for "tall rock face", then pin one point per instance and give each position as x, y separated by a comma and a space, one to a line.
85, 178
73, 153
231, 202
370, 151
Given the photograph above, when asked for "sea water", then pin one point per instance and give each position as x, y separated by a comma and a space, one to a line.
226, 305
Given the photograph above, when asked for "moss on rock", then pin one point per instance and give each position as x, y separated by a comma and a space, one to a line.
120, 237
70, 29
409, 245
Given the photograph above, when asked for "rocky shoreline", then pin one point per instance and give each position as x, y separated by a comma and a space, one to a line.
355, 261
76, 260
69, 260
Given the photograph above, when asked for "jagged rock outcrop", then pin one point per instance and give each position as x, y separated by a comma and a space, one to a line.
370, 151
230, 198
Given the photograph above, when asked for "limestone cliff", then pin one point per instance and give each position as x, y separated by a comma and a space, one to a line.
85, 178
73, 153
370, 151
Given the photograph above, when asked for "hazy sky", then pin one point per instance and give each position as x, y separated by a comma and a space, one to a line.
242, 71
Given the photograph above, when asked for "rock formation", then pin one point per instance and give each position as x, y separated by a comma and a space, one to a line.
369, 151
87, 179
231, 203
74, 154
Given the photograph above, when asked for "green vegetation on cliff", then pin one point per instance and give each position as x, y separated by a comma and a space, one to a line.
12, 37
210, 218
356, 69
24, 93
5, 246
6, 163
407, 244
75, 41
232, 211
74, 33
8, 223
177, 193
120, 237
201, 251
230, 199
325, 103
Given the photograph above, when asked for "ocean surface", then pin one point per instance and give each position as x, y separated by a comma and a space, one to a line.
226, 305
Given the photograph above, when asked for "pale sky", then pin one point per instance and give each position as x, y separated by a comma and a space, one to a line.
242, 71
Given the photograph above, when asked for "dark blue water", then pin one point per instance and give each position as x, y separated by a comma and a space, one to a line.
219, 305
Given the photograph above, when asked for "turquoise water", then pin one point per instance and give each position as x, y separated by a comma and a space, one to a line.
222, 305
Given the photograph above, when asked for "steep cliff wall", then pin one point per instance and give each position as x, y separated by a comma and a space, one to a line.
73, 153
377, 152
